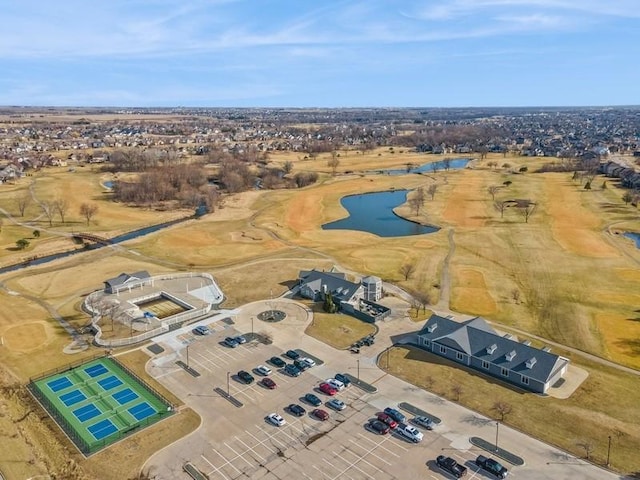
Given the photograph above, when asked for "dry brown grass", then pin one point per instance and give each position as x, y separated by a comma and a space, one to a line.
338, 330
604, 405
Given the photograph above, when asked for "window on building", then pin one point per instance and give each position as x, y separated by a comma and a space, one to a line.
427, 343
525, 380
505, 372
485, 365
460, 356
443, 349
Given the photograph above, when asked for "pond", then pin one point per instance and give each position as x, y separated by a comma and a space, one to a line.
439, 166
633, 236
373, 213
108, 184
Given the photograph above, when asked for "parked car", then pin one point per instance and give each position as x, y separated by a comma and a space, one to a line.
312, 399
300, 364
276, 419
308, 361
320, 414
492, 466
410, 432
378, 427
292, 370
327, 389
336, 404
267, 382
230, 342
245, 376
448, 464
425, 422
384, 418
292, 354
202, 330
263, 370
395, 414
277, 362
296, 410
240, 339
342, 377
337, 384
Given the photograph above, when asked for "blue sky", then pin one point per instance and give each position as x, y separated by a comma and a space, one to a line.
298, 53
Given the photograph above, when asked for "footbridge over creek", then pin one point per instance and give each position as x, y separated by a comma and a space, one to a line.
90, 237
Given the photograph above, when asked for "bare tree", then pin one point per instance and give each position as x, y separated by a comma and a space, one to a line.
425, 299
502, 408
493, 189
22, 203
526, 208
500, 207
446, 163
587, 445
61, 206
457, 391
627, 198
515, 294
288, 166
333, 162
416, 205
88, 211
407, 270
48, 208
432, 189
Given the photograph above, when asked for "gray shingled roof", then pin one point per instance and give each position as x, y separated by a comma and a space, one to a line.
476, 338
340, 288
125, 277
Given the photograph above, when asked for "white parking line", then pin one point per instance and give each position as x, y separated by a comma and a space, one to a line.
204, 358
261, 443
215, 469
379, 444
239, 455
365, 461
252, 450
199, 364
342, 472
321, 472
358, 460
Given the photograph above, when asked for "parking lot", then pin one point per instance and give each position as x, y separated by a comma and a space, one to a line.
238, 442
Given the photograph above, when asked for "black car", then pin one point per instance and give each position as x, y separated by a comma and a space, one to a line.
292, 354
342, 377
300, 364
296, 410
246, 377
491, 466
395, 414
277, 362
311, 399
292, 370
379, 427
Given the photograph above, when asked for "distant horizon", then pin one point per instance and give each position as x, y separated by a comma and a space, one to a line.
337, 54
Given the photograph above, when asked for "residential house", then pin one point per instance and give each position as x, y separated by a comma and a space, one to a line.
476, 345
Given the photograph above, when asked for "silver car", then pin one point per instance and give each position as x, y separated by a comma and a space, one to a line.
425, 422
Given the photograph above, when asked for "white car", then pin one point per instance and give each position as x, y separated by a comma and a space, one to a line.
263, 370
411, 432
276, 419
337, 384
309, 362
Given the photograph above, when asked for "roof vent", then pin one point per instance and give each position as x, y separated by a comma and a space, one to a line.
526, 342
432, 327
508, 336
492, 349
530, 363
546, 349
510, 356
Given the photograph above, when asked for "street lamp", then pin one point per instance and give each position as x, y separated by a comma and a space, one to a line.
228, 383
252, 326
497, 429
358, 360
187, 355
609, 451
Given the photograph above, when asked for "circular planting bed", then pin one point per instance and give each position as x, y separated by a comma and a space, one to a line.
272, 316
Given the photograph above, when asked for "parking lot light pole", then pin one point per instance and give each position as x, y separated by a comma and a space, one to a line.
497, 429
358, 360
228, 383
187, 355
609, 451
252, 326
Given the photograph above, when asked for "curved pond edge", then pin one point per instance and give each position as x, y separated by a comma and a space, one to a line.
634, 236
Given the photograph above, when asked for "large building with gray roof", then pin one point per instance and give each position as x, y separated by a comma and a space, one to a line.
475, 344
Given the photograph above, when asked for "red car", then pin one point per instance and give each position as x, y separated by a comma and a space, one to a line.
267, 382
383, 417
320, 414
327, 389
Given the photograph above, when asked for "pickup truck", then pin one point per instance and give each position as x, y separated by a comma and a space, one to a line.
448, 464
492, 466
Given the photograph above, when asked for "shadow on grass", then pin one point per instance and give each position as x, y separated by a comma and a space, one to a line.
632, 344
418, 354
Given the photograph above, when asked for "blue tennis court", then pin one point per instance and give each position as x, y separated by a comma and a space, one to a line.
102, 429
110, 382
142, 411
96, 370
125, 396
59, 384
87, 412
72, 397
